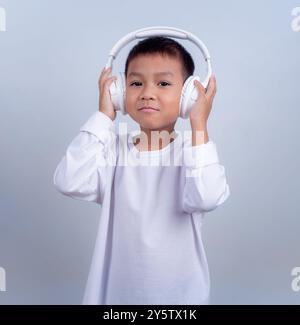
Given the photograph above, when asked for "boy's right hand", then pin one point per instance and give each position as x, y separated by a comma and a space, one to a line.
105, 102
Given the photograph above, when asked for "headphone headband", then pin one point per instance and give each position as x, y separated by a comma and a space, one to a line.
161, 31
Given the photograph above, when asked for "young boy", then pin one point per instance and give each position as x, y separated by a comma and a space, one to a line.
148, 248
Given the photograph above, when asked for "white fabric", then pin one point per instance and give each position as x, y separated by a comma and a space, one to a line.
148, 248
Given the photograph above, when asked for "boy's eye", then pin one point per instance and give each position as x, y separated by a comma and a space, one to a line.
162, 82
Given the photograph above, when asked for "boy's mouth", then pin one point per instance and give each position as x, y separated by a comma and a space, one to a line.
148, 109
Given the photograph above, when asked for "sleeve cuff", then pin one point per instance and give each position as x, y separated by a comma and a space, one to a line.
98, 124
200, 156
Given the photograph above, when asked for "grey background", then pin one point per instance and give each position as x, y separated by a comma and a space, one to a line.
50, 59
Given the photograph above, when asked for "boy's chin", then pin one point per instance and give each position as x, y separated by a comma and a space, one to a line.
151, 123
145, 122
154, 126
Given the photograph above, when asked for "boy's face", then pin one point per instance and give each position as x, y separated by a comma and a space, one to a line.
146, 87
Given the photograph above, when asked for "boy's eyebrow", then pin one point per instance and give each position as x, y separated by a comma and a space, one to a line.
156, 74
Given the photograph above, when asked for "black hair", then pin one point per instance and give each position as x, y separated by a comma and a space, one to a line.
164, 46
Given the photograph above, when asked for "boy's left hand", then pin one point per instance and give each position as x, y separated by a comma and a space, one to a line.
202, 107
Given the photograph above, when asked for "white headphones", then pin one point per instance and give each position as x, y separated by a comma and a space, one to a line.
189, 92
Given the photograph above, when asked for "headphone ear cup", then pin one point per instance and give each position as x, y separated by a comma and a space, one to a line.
123, 87
182, 98
117, 92
189, 95
183, 113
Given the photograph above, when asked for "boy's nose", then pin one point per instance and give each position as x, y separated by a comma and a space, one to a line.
146, 97
147, 93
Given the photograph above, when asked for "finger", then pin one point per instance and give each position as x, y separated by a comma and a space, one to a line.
109, 81
200, 87
104, 74
101, 76
212, 87
107, 70
103, 71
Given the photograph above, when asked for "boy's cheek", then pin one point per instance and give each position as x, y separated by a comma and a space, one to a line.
129, 108
131, 111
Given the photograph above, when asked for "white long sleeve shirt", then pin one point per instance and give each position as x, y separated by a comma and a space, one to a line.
148, 248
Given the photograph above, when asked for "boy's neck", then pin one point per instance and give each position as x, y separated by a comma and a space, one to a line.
165, 138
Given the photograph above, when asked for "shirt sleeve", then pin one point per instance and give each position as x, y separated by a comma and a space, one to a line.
206, 185
81, 173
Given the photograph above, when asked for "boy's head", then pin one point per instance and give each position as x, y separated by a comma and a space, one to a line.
146, 87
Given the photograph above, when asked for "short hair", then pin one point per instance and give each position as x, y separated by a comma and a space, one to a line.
164, 46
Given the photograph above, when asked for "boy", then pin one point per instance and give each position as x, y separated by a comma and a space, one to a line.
148, 248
